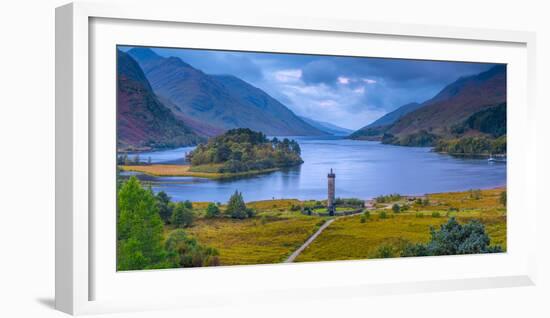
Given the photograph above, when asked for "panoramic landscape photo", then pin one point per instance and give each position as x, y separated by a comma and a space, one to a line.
241, 158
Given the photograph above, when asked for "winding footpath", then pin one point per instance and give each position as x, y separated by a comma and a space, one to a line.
297, 252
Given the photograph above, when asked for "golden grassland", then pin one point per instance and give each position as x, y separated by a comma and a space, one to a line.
256, 240
206, 171
348, 238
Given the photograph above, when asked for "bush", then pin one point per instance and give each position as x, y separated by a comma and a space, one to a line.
395, 208
384, 251
454, 239
212, 210
185, 251
419, 215
367, 214
383, 215
188, 204
475, 194
182, 216
436, 214
363, 218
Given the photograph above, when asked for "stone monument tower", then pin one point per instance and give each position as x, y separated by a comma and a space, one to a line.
331, 192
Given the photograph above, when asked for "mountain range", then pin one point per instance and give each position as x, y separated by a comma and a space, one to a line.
422, 124
143, 122
327, 127
211, 104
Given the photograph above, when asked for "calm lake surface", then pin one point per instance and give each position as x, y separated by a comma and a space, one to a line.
363, 170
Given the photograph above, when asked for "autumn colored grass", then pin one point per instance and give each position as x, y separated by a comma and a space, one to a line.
259, 240
348, 238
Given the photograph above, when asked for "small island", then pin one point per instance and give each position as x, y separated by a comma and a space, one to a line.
238, 152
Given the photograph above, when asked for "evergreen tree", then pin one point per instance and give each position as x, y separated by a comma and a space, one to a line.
164, 206
212, 210
139, 228
236, 207
182, 216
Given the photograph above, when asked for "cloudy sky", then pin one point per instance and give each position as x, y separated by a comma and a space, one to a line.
350, 92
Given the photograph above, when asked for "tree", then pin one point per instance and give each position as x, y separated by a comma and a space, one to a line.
139, 228
212, 210
184, 251
164, 206
182, 216
188, 204
395, 208
236, 207
454, 239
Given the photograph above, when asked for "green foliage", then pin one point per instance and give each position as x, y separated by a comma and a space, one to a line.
367, 214
188, 204
383, 215
436, 214
502, 198
241, 149
363, 218
395, 208
388, 198
453, 239
472, 146
212, 210
384, 251
139, 228
236, 208
418, 139
164, 206
491, 121
351, 202
419, 214
184, 251
182, 216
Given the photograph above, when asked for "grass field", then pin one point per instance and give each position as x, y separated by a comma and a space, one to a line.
348, 238
257, 240
279, 228
206, 171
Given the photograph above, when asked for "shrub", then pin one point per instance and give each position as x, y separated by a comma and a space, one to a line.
188, 204
383, 215
384, 251
395, 208
475, 194
363, 218
182, 216
419, 215
436, 214
367, 214
184, 251
212, 210
453, 239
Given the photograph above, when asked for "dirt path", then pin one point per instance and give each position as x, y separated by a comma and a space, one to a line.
312, 238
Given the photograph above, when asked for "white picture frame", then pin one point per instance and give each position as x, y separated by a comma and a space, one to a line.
78, 159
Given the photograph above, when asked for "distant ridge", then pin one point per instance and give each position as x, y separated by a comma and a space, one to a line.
143, 122
327, 127
393, 116
221, 101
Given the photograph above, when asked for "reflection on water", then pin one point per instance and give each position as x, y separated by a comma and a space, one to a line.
363, 170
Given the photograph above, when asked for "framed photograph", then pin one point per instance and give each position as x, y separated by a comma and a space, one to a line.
270, 159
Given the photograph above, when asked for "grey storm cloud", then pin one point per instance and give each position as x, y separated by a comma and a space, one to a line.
353, 91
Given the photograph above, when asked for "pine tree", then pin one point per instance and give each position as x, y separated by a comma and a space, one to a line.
236, 207
139, 228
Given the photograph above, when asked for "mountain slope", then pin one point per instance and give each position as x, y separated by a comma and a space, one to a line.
393, 116
143, 122
225, 102
327, 127
439, 116
455, 103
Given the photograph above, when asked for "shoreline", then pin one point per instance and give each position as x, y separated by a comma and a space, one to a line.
159, 170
